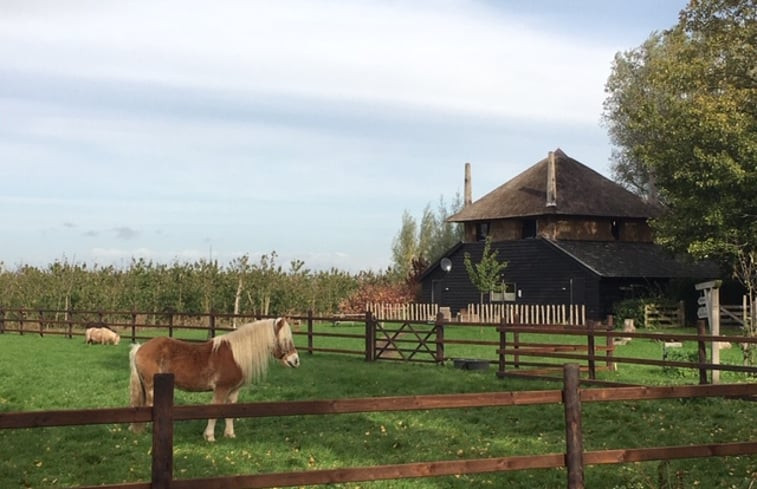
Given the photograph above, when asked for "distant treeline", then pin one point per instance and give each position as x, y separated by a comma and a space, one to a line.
200, 287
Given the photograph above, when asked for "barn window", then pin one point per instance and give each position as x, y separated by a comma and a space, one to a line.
529, 228
482, 231
615, 229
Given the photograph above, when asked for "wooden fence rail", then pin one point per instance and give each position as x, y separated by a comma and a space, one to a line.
406, 341
164, 414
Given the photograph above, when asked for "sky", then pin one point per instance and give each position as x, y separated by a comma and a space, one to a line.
180, 130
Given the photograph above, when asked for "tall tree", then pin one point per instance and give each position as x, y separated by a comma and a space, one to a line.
681, 110
446, 234
428, 242
405, 246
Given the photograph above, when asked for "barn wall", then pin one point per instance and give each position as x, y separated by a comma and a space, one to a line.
542, 275
558, 227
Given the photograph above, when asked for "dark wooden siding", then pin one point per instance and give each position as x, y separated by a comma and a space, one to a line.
542, 275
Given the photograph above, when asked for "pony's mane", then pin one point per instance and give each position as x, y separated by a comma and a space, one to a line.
251, 345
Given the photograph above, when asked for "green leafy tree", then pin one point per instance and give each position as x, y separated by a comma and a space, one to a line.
405, 246
486, 275
428, 242
681, 111
446, 234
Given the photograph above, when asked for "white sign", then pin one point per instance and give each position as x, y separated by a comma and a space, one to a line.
702, 313
702, 300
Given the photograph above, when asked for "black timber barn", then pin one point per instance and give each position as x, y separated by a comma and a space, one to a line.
569, 236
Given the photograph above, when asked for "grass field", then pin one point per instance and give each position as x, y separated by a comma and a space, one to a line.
58, 373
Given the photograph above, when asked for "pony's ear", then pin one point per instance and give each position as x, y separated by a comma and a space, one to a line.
278, 323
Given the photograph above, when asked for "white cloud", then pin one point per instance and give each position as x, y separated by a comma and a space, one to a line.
449, 56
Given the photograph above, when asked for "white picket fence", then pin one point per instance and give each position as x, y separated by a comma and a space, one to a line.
574, 315
484, 313
409, 311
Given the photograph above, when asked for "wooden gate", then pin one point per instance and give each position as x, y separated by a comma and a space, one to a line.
409, 341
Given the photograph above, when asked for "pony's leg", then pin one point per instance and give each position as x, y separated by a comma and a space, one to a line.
228, 431
219, 397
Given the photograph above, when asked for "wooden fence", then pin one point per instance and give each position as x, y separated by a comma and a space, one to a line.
411, 341
673, 316
574, 459
407, 311
482, 313
737, 315
536, 314
664, 316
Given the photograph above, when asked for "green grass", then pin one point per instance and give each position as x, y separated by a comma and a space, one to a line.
58, 373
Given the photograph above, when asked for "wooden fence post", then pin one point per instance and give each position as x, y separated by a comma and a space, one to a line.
702, 352
162, 432
41, 321
2, 321
212, 325
310, 331
70, 323
592, 350
502, 346
610, 344
574, 458
516, 341
21, 315
133, 326
439, 329
170, 324
370, 337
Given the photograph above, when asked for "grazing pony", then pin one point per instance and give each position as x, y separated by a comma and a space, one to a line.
222, 365
101, 335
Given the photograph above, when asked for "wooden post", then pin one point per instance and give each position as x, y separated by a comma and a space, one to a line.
592, 350
212, 325
170, 324
439, 329
715, 331
310, 331
502, 346
516, 341
41, 320
370, 337
21, 315
711, 300
573, 433
702, 350
610, 345
162, 432
133, 326
70, 324
2, 321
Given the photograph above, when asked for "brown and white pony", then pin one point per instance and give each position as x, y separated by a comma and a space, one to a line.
222, 365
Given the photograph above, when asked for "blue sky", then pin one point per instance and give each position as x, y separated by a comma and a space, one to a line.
181, 129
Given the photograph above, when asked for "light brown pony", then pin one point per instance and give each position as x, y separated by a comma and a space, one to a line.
222, 365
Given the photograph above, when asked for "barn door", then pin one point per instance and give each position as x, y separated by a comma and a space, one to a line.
577, 290
436, 292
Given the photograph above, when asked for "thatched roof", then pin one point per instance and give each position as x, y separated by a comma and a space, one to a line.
581, 191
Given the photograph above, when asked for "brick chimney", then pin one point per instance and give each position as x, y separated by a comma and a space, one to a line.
551, 180
468, 198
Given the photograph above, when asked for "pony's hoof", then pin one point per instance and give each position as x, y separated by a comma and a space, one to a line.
229, 435
209, 438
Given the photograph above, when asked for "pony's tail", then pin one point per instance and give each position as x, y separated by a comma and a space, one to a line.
136, 387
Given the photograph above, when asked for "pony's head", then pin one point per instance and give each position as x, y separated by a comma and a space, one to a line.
284, 348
